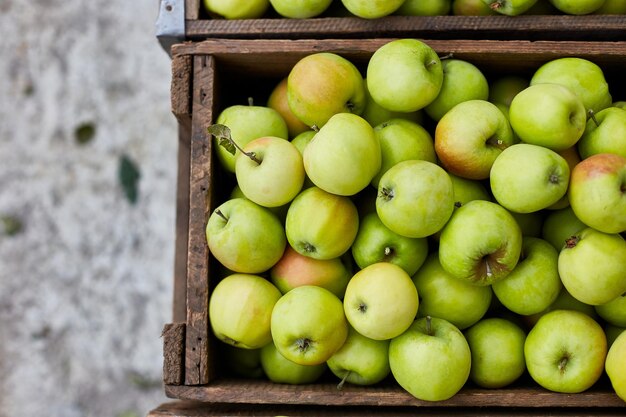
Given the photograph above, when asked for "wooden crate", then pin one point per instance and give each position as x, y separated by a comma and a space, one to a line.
198, 26
210, 75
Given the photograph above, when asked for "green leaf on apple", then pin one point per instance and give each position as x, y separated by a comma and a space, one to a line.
222, 133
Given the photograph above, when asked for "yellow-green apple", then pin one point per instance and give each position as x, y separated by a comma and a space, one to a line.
300, 9
424, 8
320, 224
404, 75
247, 123
466, 190
442, 295
343, 157
534, 284
401, 140
620, 104
504, 88
431, 360
471, 8
510, 7
302, 140
375, 114
565, 351
323, 84
614, 312
237, 9
612, 7
584, 77
497, 347
470, 136
592, 266
241, 362
280, 211
526, 178
605, 133
415, 198
277, 100
577, 7
564, 301
381, 301
368, 9
615, 365
240, 310
295, 270
245, 237
612, 332
462, 81
559, 225
281, 370
361, 360
270, 171
308, 325
481, 243
549, 115
572, 158
597, 192
375, 243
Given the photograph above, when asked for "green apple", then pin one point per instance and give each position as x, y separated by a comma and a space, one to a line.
596, 192
381, 301
431, 360
470, 136
565, 351
323, 84
375, 243
510, 7
361, 360
320, 224
497, 347
615, 365
404, 75
592, 266
245, 237
300, 9
247, 123
504, 88
295, 270
584, 77
277, 100
577, 7
612, 7
375, 114
444, 296
526, 178
559, 225
530, 223
240, 310
281, 370
534, 284
462, 81
308, 325
241, 362
564, 301
614, 312
605, 133
371, 9
280, 211
471, 8
415, 198
237, 9
344, 156
572, 158
401, 140
270, 171
466, 190
549, 115
302, 140
424, 8
481, 243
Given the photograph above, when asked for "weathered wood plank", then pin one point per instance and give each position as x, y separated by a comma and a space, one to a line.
173, 353
181, 87
192, 9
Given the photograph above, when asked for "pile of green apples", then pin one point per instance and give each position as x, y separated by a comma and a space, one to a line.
305, 9
414, 220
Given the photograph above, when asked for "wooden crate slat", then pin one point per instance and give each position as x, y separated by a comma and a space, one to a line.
173, 353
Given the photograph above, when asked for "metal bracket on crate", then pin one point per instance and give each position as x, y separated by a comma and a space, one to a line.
170, 24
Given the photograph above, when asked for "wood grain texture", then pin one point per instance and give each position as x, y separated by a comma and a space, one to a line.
173, 353
192, 9
234, 391
200, 188
181, 87
553, 27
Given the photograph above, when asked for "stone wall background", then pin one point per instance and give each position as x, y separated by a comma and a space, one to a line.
85, 272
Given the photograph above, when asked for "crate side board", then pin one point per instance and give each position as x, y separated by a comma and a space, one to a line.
529, 27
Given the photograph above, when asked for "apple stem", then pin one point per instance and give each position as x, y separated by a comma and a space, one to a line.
350, 105
488, 268
563, 364
222, 133
447, 56
315, 128
343, 380
250, 101
429, 329
219, 213
496, 4
592, 115
571, 241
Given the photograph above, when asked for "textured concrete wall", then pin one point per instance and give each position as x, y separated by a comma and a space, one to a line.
85, 273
